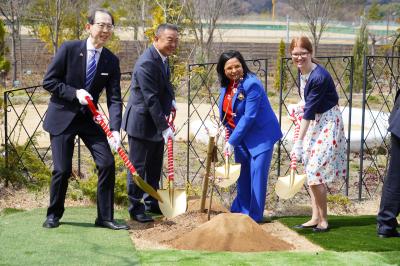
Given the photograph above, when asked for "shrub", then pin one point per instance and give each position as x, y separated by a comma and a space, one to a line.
89, 186
20, 159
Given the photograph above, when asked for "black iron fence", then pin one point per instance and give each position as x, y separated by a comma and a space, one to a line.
24, 110
366, 112
380, 84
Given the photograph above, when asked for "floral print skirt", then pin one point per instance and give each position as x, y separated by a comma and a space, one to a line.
325, 148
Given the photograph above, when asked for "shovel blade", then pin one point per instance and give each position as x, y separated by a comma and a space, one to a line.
173, 202
225, 179
287, 187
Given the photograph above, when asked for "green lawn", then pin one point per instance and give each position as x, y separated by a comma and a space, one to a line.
352, 241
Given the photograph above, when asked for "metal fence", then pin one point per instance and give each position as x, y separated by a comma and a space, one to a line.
380, 84
24, 110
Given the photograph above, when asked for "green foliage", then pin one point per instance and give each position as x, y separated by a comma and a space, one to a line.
339, 202
4, 63
89, 186
21, 158
7, 211
360, 49
279, 67
374, 12
55, 26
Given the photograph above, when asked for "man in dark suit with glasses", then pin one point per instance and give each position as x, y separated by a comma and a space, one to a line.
83, 69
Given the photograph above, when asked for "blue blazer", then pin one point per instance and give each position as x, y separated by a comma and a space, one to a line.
256, 124
150, 99
319, 93
67, 73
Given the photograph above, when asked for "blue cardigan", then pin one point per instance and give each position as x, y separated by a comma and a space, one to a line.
256, 124
319, 93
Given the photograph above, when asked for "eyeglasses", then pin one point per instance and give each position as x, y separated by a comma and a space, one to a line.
305, 54
103, 26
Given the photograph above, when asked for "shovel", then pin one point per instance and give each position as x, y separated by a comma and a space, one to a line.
173, 200
136, 178
286, 187
228, 174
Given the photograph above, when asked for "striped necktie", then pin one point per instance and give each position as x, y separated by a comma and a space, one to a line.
91, 70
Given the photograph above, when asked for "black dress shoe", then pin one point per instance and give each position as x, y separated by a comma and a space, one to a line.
111, 225
320, 230
390, 234
300, 226
51, 223
142, 218
155, 211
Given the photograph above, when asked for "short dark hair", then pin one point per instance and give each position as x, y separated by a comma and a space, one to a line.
166, 26
92, 15
225, 56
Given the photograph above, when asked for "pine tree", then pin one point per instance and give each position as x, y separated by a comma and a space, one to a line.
279, 67
360, 49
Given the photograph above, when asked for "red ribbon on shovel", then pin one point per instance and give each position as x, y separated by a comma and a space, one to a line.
136, 178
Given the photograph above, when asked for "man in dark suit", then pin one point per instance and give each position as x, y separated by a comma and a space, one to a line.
83, 69
150, 101
390, 200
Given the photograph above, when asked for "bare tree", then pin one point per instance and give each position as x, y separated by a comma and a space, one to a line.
317, 14
203, 16
12, 11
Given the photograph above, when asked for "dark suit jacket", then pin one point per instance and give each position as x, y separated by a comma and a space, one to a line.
151, 95
394, 118
66, 74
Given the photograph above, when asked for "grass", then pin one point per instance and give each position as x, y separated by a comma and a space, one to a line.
75, 242
348, 233
78, 242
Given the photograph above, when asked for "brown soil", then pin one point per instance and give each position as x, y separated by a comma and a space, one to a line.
223, 232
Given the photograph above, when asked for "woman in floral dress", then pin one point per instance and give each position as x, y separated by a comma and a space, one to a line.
321, 142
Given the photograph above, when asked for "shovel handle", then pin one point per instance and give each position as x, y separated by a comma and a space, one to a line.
171, 119
170, 147
293, 162
170, 152
99, 119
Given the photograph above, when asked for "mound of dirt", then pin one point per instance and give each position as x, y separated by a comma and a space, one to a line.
230, 232
226, 231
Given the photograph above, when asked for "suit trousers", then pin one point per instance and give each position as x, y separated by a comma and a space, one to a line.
147, 157
252, 182
62, 147
390, 200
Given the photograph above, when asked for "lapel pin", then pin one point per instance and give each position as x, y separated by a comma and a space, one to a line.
80, 54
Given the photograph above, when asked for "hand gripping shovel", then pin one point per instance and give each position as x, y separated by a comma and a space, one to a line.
286, 187
173, 200
229, 173
136, 178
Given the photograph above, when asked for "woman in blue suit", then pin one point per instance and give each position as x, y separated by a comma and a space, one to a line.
253, 129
